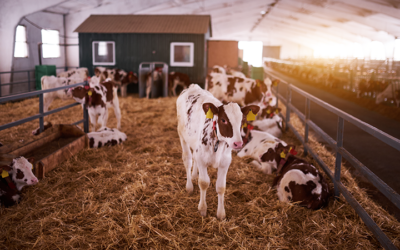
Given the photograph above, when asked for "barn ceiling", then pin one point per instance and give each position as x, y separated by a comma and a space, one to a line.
306, 22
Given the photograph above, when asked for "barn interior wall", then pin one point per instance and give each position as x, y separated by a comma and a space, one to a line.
295, 51
222, 53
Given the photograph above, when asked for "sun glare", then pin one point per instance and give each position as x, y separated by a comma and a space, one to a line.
252, 52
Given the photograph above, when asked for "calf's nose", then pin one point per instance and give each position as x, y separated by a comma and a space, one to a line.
34, 181
238, 145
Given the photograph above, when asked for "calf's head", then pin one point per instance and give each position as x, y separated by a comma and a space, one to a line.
21, 171
230, 120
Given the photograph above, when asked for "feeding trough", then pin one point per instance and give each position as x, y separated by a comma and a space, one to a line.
56, 145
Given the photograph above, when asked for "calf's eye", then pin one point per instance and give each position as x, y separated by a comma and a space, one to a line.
223, 121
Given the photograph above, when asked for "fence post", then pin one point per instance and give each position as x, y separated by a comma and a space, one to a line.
338, 164
41, 120
289, 100
277, 95
86, 120
307, 117
29, 81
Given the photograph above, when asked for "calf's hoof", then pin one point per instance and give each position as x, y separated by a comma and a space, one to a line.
203, 212
189, 188
221, 214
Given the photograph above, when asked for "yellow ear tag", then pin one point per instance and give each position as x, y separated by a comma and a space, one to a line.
4, 174
283, 155
244, 125
251, 116
209, 114
268, 111
258, 84
89, 93
276, 111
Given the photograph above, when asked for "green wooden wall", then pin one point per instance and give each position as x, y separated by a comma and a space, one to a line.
132, 49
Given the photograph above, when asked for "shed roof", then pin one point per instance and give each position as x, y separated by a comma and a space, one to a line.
178, 24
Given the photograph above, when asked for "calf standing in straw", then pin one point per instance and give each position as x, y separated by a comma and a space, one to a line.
208, 131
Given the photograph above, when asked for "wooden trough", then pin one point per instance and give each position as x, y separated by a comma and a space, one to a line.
56, 145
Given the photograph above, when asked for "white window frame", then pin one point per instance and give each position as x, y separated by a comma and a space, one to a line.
181, 64
51, 44
21, 42
103, 63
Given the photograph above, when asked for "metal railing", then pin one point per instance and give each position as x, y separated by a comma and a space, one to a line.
42, 114
337, 146
28, 79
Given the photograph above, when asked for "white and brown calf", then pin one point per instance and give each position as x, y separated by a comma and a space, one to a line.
176, 79
82, 73
50, 82
97, 99
258, 144
13, 178
106, 137
119, 76
208, 131
155, 76
244, 91
299, 181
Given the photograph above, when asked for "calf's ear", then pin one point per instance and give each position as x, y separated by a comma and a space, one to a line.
207, 106
31, 160
268, 156
4, 166
250, 116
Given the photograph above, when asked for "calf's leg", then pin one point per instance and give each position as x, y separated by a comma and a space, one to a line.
204, 183
187, 162
220, 187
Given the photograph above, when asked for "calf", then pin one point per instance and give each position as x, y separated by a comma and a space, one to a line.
299, 181
175, 79
208, 131
97, 99
155, 76
13, 178
258, 144
392, 91
82, 73
50, 82
106, 137
119, 76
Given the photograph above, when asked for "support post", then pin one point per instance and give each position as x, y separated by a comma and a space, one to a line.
85, 118
41, 119
289, 100
29, 81
338, 164
307, 117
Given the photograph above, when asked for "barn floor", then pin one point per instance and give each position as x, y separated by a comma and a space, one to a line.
132, 196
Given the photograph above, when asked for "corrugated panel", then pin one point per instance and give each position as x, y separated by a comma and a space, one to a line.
176, 24
133, 49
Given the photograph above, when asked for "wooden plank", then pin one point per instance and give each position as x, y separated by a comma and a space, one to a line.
35, 144
222, 53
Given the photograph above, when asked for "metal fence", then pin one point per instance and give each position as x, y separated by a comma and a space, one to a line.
337, 146
42, 114
24, 77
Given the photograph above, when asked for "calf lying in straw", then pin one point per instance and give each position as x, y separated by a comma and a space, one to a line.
13, 178
106, 137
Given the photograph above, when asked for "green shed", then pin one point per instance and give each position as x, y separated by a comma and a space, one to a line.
125, 41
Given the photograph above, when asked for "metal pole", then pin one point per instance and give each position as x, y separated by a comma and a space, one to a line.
289, 100
40, 53
86, 120
338, 164
29, 81
41, 119
307, 117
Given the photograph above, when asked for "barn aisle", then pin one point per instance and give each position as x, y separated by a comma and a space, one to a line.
133, 196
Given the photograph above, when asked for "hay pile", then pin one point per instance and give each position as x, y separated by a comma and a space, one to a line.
133, 196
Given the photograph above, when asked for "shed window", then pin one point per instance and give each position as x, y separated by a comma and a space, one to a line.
103, 53
182, 54
21, 46
51, 43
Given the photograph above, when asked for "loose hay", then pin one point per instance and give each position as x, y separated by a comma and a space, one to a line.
133, 196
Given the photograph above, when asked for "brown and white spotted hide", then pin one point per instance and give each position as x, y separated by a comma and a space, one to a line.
20, 175
299, 181
50, 82
176, 79
82, 73
244, 91
46, 126
259, 144
103, 96
106, 137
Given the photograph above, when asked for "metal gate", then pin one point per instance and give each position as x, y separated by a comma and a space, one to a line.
157, 88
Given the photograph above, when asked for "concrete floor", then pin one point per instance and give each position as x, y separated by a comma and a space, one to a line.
380, 158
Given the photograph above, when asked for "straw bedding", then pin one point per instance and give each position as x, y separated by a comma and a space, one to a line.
133, 196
